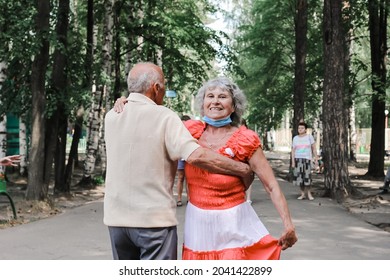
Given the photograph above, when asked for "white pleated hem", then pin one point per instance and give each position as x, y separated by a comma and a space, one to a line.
209, 230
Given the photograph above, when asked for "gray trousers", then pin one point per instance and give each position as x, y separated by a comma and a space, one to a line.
143, 243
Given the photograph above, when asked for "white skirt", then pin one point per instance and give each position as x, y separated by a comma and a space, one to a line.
210, 230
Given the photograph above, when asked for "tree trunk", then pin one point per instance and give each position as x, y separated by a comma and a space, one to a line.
73, 153
300, 63
90, 46
55, 123
3, 140
96, 114
60, 158
60, 80
87, 83
102, 143
378, 28
300, 68
117, 51
23, 147
352, 134
3, 119
36, 189
50, 146
335, 134
94, 121
107, 68
349, 83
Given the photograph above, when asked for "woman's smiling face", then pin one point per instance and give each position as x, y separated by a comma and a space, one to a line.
218, 103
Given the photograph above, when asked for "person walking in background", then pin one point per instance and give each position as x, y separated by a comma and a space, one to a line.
144, 143
181, 174
321, 163
180, 182
219, 223
303, 152
385, 188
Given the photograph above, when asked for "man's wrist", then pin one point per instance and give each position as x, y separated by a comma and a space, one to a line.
246, 170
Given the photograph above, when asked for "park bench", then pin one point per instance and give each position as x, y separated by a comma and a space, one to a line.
3, 191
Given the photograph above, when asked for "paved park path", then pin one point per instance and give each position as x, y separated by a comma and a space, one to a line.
326, 231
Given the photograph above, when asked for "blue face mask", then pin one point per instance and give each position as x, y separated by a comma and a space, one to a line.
217, 123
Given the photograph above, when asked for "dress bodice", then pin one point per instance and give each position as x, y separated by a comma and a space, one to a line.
216, 191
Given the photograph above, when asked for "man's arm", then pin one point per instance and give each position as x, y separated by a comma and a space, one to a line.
209, 160
216, 163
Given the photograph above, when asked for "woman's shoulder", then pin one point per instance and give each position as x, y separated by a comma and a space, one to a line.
195, 127
246, 134
244, 143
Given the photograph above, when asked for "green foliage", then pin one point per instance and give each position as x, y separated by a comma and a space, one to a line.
360, 78
264, 39
189, 44
265, 42
259, 54
177, 36
98, 180
16, 50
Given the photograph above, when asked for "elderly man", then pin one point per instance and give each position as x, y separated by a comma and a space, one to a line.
144, 143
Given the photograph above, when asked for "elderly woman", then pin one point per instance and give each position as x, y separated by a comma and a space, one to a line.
219, 223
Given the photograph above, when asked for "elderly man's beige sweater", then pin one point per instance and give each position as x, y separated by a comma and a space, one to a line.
143, 144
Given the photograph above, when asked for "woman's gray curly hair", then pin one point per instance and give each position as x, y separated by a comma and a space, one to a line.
225, 84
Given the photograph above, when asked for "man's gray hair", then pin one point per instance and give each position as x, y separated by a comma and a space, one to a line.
140, 82
225, 84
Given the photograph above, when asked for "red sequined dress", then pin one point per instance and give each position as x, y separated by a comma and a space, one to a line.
219, 223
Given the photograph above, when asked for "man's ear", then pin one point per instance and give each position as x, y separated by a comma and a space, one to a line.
156, 87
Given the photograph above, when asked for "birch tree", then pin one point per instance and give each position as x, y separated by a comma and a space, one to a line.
95, 136
107, 68
3, 118
23, 147
93, 129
